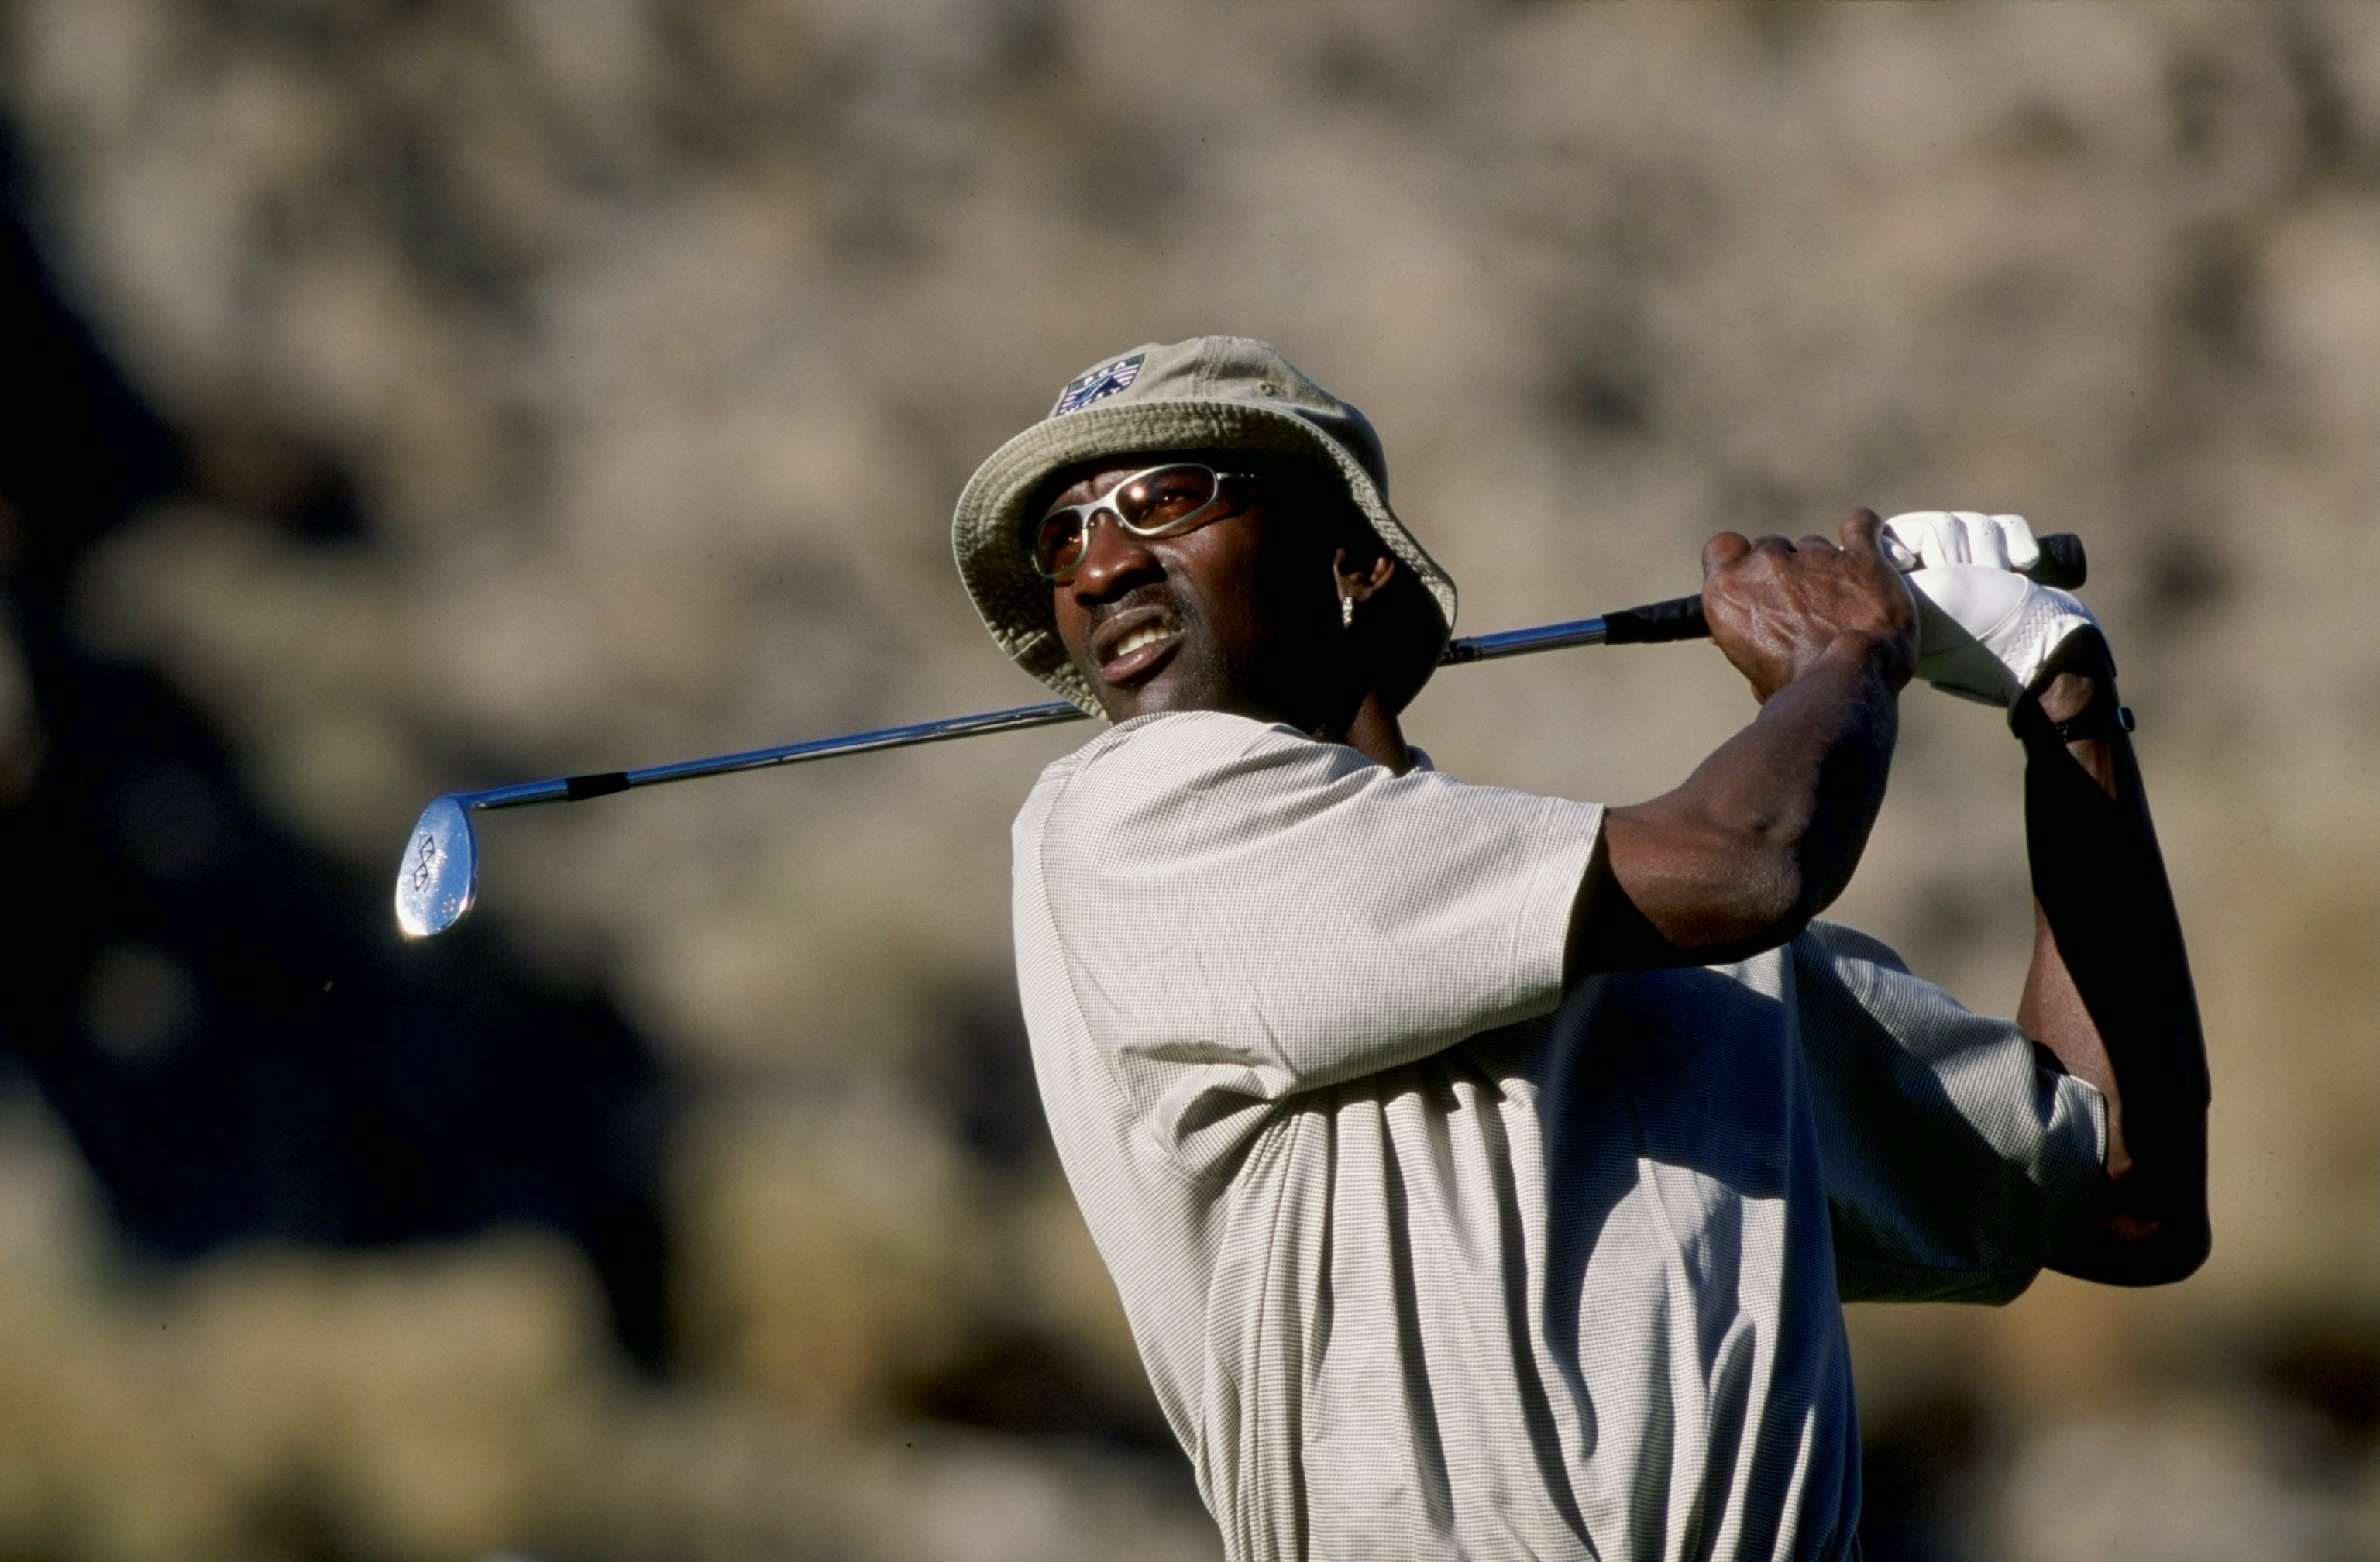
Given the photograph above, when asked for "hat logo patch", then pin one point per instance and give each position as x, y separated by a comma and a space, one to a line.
1104, 381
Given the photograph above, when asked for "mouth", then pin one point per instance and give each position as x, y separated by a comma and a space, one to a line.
1131, 645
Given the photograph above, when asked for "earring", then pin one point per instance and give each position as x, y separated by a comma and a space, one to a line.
1347, 611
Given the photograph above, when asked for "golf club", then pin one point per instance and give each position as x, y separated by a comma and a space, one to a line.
438, 875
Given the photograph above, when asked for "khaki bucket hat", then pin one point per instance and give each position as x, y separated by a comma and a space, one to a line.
1209, 393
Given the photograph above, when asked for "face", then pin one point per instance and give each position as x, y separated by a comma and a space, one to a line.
1240, 614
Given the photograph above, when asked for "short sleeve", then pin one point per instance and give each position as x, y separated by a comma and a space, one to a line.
1951, 1151
1245, 913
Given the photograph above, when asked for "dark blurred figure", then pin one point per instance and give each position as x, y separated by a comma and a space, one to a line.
224, 1018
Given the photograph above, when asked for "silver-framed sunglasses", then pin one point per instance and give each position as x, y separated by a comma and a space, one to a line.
1154, 502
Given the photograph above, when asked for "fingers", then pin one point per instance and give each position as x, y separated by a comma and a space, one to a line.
1731, 547
1943, 537
2017, 544
1986, 540
1863, 531
1724, 550
1776, 606
1899, 553
1930, 539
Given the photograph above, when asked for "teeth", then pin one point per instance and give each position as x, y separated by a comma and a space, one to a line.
1146, 635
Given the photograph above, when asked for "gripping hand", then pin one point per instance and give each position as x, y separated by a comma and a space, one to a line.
1985, 632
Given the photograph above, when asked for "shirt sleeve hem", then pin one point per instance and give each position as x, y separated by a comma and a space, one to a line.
2080, 1152
1868, 1279
1541, 935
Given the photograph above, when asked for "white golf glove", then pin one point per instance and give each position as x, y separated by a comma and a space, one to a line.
1983, 631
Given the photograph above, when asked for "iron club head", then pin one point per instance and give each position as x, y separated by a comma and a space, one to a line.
440, 872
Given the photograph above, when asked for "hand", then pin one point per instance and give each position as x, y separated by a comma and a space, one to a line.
1777, 607
1985, 632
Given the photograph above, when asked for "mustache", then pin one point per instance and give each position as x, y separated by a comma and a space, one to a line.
1150, 593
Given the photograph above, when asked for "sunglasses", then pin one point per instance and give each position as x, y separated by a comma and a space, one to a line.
1156, 502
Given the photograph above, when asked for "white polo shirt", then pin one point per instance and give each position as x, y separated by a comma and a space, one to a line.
1430, 1257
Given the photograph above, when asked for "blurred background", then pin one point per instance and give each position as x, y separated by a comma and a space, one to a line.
408, 395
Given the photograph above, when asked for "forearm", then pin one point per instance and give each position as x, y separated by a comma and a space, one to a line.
1761, 837
2110, 990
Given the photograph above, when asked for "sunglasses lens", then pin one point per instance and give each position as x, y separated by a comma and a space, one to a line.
1058, 543
1153, 504
1165, 498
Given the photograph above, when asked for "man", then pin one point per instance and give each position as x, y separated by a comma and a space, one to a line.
1482, 1172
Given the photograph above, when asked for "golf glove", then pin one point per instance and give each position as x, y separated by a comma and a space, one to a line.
1983, 631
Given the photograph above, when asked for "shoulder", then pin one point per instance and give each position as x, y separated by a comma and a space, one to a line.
1153, 762
1146, 763
1840, 950
1200, 788
1179, 739
1191, 744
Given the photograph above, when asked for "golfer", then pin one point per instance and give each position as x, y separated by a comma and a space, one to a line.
1483, 1172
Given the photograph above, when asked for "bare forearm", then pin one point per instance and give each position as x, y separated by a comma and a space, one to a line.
1764, 834
2110, 989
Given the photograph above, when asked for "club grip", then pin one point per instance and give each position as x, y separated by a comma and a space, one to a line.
1679, 618
2062, 564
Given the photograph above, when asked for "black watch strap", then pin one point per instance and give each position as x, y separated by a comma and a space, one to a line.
2104, 720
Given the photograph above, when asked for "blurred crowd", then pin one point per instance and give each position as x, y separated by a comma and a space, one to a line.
410, 394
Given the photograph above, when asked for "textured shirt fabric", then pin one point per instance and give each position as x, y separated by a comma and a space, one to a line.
1431, 1257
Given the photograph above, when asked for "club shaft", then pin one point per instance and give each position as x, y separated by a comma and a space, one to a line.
572, 789
2063, 562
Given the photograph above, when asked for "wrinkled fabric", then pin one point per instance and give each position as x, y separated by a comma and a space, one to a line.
1430, 1257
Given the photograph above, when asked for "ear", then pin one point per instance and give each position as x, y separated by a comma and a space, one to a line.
1362, 583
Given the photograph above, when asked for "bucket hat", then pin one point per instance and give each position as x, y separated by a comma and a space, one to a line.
1209, 393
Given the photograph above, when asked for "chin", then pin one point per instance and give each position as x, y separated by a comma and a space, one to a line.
1173, 687
1146, 699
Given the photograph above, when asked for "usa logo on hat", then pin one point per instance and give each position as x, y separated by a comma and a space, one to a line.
1100, 382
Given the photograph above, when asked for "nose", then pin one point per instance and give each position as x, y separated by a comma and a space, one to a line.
1114, 561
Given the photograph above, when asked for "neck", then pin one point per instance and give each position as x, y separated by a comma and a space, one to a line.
1372, 732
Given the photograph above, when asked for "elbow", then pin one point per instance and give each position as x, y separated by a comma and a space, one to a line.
2152, 1225
1763, 898
1714, 890
2180, 1246
1754, 909
1761, 925
2137, 1250
2187, 1256
2172, 1255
